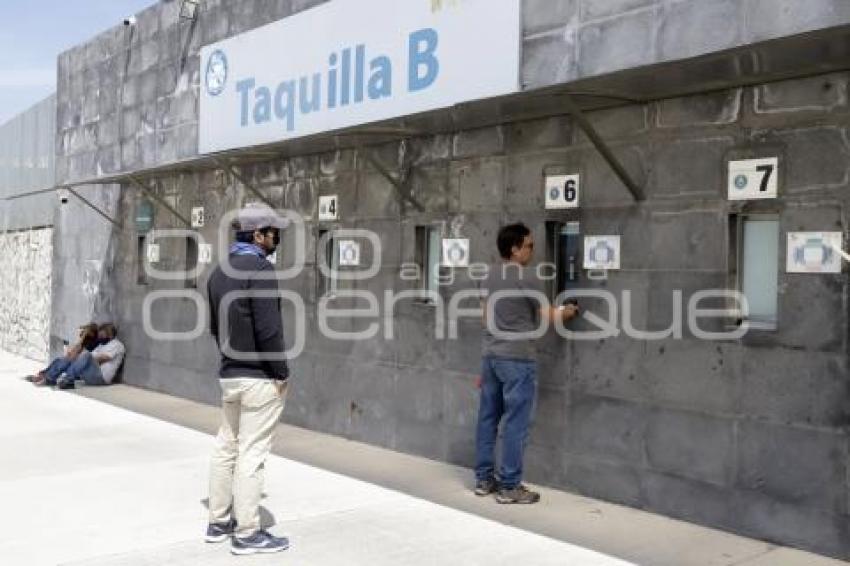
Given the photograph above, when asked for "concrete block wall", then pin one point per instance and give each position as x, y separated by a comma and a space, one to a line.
746, 435
25, 310
128, 99
82, 288
567, 40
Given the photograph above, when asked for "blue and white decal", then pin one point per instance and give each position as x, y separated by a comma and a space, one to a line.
215, 78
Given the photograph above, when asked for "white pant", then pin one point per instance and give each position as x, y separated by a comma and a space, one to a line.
251, 410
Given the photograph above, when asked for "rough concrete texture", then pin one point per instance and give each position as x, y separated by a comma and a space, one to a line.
140, 497
701, 431
697, 430
27, 257
323, 490
128, 99
82, 286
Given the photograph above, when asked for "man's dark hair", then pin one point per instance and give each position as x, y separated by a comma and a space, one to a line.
245, 237
510, 237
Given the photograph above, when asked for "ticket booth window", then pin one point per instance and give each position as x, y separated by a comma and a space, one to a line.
191, 263
141, 255
328, 278
757, 248
563, 254
429, 244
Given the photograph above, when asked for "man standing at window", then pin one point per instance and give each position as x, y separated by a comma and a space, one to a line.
247, 324
514, 307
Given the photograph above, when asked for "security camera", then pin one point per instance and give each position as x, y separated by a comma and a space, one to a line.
63, 196
131, 21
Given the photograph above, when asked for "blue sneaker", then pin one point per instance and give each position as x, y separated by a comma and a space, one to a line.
259, 542
220, 532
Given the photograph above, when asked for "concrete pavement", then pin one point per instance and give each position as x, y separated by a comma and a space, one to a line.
89, 482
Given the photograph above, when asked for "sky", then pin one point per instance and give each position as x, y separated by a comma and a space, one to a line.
34, 32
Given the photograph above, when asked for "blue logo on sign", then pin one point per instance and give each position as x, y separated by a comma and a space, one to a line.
554, 193
216, 75
741, 181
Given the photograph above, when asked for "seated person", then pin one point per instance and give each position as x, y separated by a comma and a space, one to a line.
97, 367
88, 340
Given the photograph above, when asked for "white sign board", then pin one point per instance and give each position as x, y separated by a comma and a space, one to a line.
814, 252
328, 208
153, 253
349, 253
349, 62
198, 217
562, 191
205, 253
753, 179
602, 253
455, 252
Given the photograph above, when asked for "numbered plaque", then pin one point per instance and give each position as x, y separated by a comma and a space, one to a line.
328, 208
562, 191
754, 179
198, 217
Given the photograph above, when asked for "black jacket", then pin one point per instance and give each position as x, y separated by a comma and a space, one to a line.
254, 325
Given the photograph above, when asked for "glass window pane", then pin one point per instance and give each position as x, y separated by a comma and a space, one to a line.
759, 266
435, 251
334, 265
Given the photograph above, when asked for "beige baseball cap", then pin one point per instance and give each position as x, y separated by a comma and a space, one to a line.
258, 215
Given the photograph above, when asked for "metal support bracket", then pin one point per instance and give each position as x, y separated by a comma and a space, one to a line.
92, 206
232, 170
159, 200
71, 190
603, 149
401, 184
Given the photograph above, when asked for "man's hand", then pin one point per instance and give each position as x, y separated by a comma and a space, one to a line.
569, 312
564, 313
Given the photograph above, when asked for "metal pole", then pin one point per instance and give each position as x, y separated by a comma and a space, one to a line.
230, 169
402, 190
602, 147
93, 207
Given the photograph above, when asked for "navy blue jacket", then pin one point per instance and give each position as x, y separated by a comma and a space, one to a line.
254, 325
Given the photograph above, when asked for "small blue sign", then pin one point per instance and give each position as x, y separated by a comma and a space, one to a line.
216, 75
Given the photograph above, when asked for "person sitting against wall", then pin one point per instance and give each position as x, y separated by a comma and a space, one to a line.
97, 367
87, 341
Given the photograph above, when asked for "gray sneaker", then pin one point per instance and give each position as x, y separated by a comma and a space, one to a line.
260, 542
486, 487
519, 494
220, 532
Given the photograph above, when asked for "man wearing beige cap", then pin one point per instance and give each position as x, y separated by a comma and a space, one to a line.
247, 325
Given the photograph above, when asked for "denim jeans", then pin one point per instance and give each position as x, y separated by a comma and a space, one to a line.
507, 391
85, 368
56, 368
